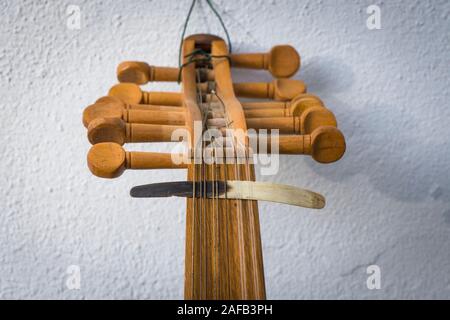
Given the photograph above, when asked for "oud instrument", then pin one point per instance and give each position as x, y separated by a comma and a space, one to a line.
222, 133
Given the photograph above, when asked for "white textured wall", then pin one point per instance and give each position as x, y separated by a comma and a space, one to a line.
388, 198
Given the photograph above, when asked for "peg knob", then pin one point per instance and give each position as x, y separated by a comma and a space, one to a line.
127, 92
283, 61
316, 117
109, 99
287, 89
107, 130
106, 160
327, 144
102, 110
109, 160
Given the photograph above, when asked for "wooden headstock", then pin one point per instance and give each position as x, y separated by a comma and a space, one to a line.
223, 249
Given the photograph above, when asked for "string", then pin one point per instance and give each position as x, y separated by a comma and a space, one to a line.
225, 168
252, 215
215, 205
194, 215
237, 174
203, 179
214, 196
216, 220
196, 208
203, 214
215, 224
241, 222
186, 22
202, 187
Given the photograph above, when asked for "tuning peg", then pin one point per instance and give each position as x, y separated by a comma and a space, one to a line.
141, 73
327, 144
118, 131
263, 105
295, 107
132, 94
113, 100
109, 160
305, 99
324, 144
266, 113
280, 89
283, 124
134, 113
281, 61
311, 119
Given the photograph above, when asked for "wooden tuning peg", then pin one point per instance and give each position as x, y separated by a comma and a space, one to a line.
311, 119
324, 144
134, 113
266, 113
118, 131
295, 107
132, 94
327, 144
141, 73
281, 61
279, 89
283, 124
114, 100
306, 99
263, 105
109, 160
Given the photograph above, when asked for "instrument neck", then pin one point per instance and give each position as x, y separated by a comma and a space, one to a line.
223, 242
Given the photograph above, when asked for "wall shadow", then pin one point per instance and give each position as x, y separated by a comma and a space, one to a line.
382, 140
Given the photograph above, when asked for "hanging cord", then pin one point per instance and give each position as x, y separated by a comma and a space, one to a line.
184, 30
222, 23
186, 22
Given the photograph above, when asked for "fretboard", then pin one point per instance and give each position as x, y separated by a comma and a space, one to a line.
223, 242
